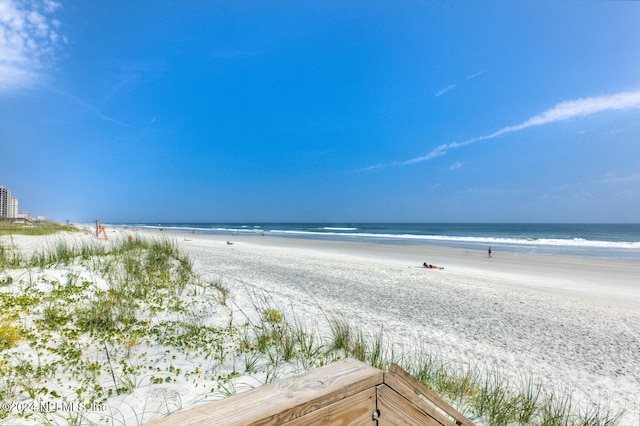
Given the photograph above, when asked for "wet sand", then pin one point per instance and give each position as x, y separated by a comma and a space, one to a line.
567, 321
572, 322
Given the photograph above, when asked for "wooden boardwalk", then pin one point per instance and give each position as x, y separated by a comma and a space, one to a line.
348, 392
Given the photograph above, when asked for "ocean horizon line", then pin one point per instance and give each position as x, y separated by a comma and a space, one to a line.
620, 241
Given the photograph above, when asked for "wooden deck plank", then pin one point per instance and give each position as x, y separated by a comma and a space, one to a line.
343, 393
396, 410
285, 400
352, 411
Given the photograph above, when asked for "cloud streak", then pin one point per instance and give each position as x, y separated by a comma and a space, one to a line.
563, 111
446, 89
95, 110
454, 85
622, 179
456, 165
29, 40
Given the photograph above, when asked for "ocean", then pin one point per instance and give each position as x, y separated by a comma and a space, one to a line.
612, 241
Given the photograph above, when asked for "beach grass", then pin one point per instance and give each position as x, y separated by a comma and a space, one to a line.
485, 397
34, 228
114, 319
86, 312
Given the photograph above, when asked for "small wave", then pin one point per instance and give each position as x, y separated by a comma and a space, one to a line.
331, 228
205, 229
557, 242
352, 233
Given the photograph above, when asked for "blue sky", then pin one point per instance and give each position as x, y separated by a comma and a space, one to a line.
218, 111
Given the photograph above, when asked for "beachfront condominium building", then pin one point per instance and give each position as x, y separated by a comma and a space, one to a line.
8, 204
5, 194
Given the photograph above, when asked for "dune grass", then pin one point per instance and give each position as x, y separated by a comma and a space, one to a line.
35, 228
87, 313
91, 313
488, 398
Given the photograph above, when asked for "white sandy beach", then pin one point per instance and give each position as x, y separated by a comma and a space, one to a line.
571, 322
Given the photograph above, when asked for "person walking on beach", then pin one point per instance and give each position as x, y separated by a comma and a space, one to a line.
489, 251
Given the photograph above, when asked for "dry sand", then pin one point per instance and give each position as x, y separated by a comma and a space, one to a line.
572, 322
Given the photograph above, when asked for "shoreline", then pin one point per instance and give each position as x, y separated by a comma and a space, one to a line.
570, 321
613, 281
595, 241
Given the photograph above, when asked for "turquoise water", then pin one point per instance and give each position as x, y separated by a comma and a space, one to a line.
617, 241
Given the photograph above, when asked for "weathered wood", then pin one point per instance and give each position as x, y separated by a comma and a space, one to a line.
411, 398
395, 410
344, 393
354, 410
283, 401
411, 382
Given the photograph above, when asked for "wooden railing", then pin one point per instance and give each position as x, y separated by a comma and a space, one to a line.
348, 392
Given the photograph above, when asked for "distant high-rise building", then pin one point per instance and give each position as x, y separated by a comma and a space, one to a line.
5, 194
8, 204
13, 208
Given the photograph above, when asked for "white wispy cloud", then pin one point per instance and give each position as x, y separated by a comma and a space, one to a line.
622, 179
627, 193
456, 165
89, 107
446, 89
478, 74
454, 85
368, 169
29, 41
561, 112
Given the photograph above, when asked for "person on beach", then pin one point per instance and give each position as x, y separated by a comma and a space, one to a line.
489, 251
428, 266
